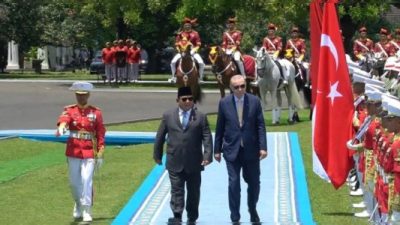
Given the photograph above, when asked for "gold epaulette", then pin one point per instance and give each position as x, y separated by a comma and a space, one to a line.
94, 107
396, 137
70, 106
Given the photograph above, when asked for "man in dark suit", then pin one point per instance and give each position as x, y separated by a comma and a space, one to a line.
188, 131
240, 136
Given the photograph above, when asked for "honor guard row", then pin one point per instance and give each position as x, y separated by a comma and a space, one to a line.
376, 150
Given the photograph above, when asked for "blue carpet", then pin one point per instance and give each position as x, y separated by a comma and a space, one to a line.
283, 197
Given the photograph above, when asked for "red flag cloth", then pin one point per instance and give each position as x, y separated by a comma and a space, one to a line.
333, 111
315, 38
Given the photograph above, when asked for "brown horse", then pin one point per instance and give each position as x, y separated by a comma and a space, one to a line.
224, 67
187, 73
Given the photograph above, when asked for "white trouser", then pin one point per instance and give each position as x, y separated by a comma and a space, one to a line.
173, 63
237, 58
196, 57
114, 71
133, 71
395, 217
81, 179
108, 71
121, 72
199, 61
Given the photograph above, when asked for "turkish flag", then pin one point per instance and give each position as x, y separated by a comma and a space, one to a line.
315, 37
333, 110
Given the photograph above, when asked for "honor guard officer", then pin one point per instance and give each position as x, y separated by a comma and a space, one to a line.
384, 47
272, 43
188, 34
231, 43
85, 147
362, 45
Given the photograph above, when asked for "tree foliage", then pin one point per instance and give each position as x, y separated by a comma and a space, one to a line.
154, 23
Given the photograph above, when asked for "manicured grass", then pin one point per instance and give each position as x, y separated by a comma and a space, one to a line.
97, 80
38, 192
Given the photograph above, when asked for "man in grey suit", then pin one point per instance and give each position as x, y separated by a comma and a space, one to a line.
240, 136
188, 131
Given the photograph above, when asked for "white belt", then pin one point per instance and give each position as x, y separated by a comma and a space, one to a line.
80, 135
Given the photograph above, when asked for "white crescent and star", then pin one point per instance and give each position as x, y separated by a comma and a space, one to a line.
327, 41
333, 93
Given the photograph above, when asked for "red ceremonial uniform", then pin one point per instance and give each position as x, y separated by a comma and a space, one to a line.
396, 44
192, 36
395, 203
134, 55
362, 46
370, 149
107, 55
87, 125
386, 47
231, 39
272, 44
298, 45
385, 161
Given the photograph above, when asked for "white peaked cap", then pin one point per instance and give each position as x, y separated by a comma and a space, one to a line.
81, 87
361, 72
386, 98
373, 95
394, 107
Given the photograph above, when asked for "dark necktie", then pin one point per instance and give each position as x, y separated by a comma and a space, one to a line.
185, 119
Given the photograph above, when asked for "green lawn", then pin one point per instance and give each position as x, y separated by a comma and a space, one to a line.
34, 182
98, 82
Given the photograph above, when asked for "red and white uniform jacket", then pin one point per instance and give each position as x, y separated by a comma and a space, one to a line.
272, 44
386, 48
192, 36
86, 128
107, 55
362, 46
298, 45
133, 55
231, 39
396, 44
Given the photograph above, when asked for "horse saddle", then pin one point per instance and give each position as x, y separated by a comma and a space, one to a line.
282, 77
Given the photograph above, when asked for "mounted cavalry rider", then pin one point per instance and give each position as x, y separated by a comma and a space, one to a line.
384, 47
396, 40
298, 47
188, 34
231, 43
273, 45
362, 45
297, 44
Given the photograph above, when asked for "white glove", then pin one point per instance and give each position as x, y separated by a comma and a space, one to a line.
99, 163
61, 130
192, 52
354, 147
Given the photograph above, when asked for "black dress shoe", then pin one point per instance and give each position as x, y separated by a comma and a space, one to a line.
174, 221
254, 218
191, 221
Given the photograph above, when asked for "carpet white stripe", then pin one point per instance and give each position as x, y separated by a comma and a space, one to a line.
159, 193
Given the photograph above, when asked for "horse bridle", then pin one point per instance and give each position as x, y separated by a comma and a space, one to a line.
259, 70
190, 71
219, 73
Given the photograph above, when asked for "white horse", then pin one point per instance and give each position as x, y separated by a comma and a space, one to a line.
269, 76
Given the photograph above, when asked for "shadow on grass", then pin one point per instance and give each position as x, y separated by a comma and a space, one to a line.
344, 214
97, 220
